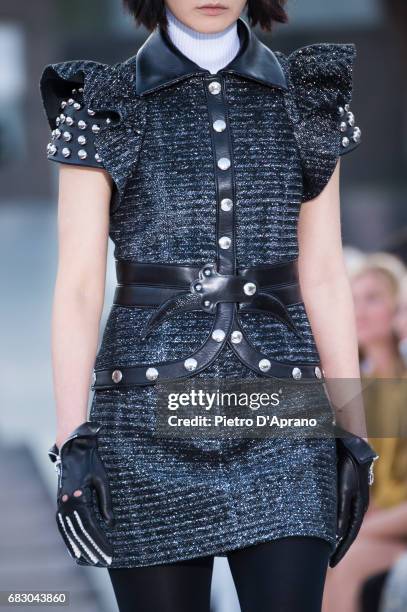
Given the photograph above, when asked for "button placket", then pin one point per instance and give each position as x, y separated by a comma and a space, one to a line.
224, 176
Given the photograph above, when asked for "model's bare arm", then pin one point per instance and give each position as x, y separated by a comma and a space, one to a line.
328, 300
83, 222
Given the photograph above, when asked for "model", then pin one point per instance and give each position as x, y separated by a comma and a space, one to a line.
212, 163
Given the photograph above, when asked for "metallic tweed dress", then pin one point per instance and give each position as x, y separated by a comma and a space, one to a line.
148, 123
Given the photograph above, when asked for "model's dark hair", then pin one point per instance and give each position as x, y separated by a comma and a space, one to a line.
150, 13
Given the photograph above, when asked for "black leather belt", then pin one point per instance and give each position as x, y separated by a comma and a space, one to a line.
174, 288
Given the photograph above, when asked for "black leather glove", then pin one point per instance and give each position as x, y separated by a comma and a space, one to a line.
355, 459
80, 469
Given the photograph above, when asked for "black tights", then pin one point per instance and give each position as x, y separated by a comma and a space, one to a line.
284, 575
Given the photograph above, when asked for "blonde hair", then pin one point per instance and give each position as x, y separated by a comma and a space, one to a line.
390, 266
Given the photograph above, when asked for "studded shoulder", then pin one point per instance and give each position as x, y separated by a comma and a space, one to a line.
73, 138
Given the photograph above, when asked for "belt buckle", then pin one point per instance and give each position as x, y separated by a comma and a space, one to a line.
211, 284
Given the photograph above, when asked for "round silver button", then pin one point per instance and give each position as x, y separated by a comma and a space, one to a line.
151, 373
69, 121
117, 376
95, 128
296, 373
318, 372
214, 87
77, 106
207, 303
67, 136
236, 336
51, 149
71, 101
190, 364
224, 163
351, 119
219, 125
57, 133
264, 365
224, 242
345, 141
91, 112
66, 152
98, 158
218, 335
249, 288
82, 124
63, 104
82, 140
82, 154
343, 126
357, 133
62, 118
226, 204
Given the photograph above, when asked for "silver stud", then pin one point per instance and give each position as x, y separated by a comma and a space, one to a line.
236, 336
91, 112
57, 133
66, 152
318, 372
219, 125
347, 107
82, 154
218, 335
77, 106
249, 288
93, 377
108, 121
345, 141
80, 89
71, 101
82, 125
264, 365
95, 128
98, 158
214, 87
82, 140
224, 163
357, 133
74, 91
151, 373
207, 303
63, 104
69, 121
296, 373
198, 287
190, 364
117, 375
62, 117
51, 149
343, 126
226, 204
67, 136
341, 111
57, 121
224, 242
351, 119
207, 271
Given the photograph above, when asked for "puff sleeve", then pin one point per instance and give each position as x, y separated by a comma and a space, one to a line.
321, 81
74, 125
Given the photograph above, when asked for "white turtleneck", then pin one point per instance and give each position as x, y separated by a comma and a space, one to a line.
210, 51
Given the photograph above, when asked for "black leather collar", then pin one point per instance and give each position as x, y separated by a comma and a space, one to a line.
160, 63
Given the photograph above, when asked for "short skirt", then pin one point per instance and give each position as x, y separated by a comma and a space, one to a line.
181, 498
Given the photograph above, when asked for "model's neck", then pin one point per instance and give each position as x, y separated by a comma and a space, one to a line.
210, 51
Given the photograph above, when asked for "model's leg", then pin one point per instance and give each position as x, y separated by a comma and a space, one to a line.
284, 575
173, 587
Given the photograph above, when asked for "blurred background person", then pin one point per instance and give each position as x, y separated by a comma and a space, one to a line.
375, 281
